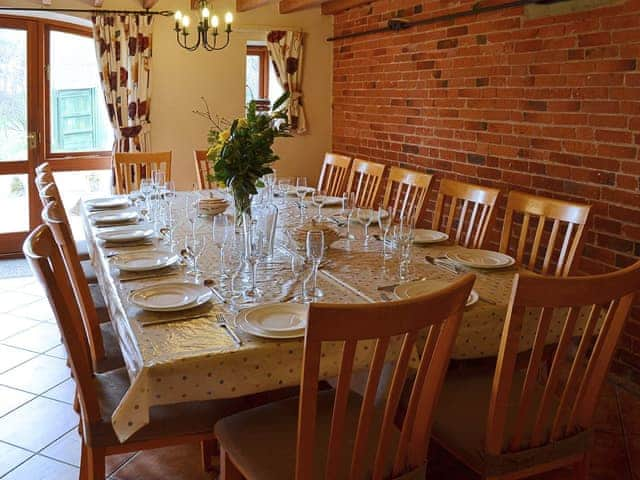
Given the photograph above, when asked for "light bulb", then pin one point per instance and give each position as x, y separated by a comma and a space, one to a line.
228, 18
215, 21
177, 15
205, 12
186, 21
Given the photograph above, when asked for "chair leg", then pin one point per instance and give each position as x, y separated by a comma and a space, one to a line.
83, 463
210, 453
228, 470
581, 469
96, 463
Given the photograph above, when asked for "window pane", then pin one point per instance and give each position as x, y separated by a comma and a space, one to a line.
253, 78
13, 96
79, 121
14, 199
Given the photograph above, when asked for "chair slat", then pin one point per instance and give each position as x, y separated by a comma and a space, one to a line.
415, 186
333, 173
549, 251
536, 242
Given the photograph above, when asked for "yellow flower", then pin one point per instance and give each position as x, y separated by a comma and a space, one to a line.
242, 122
224, 136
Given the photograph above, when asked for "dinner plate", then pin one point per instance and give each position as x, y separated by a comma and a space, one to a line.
421, 235
112, 218
275, 320
125, 235
482, 259
420, 287
144, 261
107, 203
170, 296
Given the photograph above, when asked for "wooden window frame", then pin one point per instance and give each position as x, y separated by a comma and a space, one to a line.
262, 53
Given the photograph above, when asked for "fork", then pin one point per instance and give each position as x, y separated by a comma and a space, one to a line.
222, 323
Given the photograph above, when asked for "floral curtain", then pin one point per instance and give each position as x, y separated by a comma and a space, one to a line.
285, 49
123, 47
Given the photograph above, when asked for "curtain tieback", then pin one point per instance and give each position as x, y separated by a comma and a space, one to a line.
133, 131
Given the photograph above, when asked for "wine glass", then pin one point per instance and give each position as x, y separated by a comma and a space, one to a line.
365, 216
283, 186
348, 204
158, 179
319, 198
315, 251
146, 189
301, 192
385, 219
192, 208
255, 250
231, 265
300, 265
403, 238
220, 231
195, 245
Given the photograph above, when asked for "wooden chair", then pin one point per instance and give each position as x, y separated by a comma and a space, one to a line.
130, 168
547, 210
518, 423
44, 167
103, 342
333, 175
44, 178
339, 433
405, 192
203, 170
364, 181
100, 393
471, 208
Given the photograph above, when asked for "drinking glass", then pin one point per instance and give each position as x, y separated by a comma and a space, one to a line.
283, 187
255, 249
365, 216
301, 192
348, 204
146, 189
220, 231
192, 208
385, 219
195, 245
315, 251
403, 238
300, 266
319, 198
269, 182
158, 179
231, 266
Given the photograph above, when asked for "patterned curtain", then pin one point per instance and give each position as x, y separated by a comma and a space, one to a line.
285, 50
123, 47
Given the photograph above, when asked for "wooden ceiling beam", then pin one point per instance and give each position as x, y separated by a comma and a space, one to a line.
333, 7
246, 5
288, 6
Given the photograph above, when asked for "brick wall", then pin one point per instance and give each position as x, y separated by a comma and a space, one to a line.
548, 105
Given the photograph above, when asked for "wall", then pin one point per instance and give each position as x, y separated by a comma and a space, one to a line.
180, 78
548, 105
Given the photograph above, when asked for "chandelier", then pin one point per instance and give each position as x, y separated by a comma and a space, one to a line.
206, 23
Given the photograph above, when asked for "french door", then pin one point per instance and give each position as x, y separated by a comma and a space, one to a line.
51, 109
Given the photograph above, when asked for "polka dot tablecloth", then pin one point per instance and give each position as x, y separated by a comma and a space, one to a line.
195, 359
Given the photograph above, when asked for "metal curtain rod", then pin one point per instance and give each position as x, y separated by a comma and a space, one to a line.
398, 24
163, 13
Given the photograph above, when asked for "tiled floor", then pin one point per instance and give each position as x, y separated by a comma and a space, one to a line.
38, 434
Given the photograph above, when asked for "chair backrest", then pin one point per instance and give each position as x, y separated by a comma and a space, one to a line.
44, 178
405, 192
333, 175
203, 169
471, 209
352, 323
593, 311
53, 215
49, 193
46, 262
364, 181
43, 168
130, 168
565, 219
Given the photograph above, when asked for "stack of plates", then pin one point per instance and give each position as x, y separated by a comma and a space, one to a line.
212, 206
126, 235
106, 218
107, 203
421, 287
144, 261
170, 297
482, 259
275, 320
422, 236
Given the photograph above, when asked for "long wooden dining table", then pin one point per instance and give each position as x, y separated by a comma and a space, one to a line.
191, 359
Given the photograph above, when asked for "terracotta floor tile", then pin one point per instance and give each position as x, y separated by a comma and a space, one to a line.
65, 449
42, 468
12, 324
36, 375
11, 357
65, 392
10, 399
38, 339
11, 457
630, 408
58, 352
12, 300
37, 423
39, 310
177, 463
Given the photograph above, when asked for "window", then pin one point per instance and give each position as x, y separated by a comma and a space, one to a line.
262, 81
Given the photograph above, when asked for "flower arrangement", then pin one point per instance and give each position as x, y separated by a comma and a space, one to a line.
241, 151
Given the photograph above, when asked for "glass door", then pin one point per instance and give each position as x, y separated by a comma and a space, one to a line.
19, 135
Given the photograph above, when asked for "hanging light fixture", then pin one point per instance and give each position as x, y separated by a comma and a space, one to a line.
207, 23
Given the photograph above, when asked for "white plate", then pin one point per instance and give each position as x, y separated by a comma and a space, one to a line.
276, 320
127, 235
144, 261
420, 287
421, 235
170, 297
108, 218
482, 259
107, 203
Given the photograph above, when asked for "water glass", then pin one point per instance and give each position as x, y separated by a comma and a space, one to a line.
385, 219
146, 189
365, 216
319, 198
192, 209
220, 231
315, 252
348, 204
270, 182
283, 187
403, 238
301, 192
231, 266
255, 251
195, 245
300, 267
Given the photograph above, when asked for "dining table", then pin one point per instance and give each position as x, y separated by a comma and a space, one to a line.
185, 356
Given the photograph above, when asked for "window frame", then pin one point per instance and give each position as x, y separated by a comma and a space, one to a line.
262, 53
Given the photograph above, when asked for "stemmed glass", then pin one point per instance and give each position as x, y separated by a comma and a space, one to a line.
319, 198
255, 249
348, 204
385, 219
192, 208
220, 232
146, 189
299, 265
282, 187
195, 245
403, 237
301, 192
269, 182
365, 216
231, 266
315, 251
